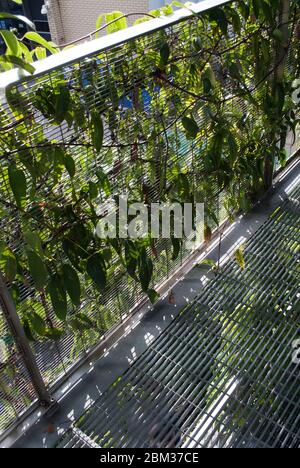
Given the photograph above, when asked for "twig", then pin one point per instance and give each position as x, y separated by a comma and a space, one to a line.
91, 34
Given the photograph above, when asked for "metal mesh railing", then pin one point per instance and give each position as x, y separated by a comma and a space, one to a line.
222, 374
105, 80
16, 389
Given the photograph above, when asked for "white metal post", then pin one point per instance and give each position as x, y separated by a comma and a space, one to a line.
16, 328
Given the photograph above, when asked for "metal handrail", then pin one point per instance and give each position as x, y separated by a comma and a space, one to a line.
69, 56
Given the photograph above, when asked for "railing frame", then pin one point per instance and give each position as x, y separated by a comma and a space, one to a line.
69, 56
16, 328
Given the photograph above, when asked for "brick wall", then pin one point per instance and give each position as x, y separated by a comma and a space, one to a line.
72, 19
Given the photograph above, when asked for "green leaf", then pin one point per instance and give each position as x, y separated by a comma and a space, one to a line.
234, 71
62, 103
191, 127
218, 15
27, 330
34, 242
153, 295
18, 18
278, 35
37, 323
145, 270
119, 22
37, 269
35, 37
97, 131
54, 334
97, 271
198, 44
256, 8
131, 258
73, 253
236, 21
11, 41
176, 248
58, 163
16, 61
233, 148
99, 23
183, 187
168, 10
40, 53
267, 10
71, 283
206, 85
209, 263
8, 263
165, 54
209, 79
93, 190
70, 165
84, 319
239, 255
187, 5
104, 182
81, 323
178, 4
18, 184
283, 158
244, 9
58, 297
279, 96
212, 216
26, 52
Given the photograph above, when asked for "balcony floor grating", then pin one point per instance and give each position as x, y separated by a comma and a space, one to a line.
222, 374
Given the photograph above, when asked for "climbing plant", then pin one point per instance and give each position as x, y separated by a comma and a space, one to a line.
197, 112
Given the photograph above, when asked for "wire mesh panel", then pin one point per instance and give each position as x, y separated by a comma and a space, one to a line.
50, 130
222, 374
16, 389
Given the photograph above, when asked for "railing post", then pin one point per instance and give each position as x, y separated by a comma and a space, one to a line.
14, 323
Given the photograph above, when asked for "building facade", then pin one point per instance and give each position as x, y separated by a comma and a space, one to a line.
33, 11
71, 19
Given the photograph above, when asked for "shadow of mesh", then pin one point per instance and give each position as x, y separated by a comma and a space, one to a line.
222, 374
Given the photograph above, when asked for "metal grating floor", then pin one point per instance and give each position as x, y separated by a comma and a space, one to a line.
222, 373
